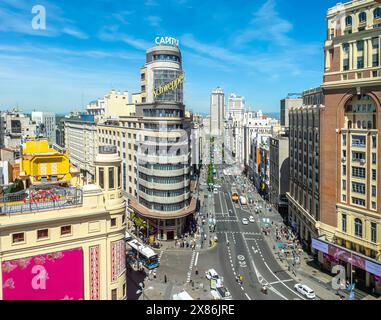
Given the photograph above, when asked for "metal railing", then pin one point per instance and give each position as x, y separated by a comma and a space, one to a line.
40, 199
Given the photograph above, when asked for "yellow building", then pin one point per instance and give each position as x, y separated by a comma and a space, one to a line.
40, 164
65, 242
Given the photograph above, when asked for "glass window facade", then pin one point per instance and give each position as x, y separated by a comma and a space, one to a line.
163, 77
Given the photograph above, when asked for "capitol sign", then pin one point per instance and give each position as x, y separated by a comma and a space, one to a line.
167, 41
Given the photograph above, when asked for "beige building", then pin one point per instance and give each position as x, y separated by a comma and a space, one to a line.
217, 112
65, 242
113, 105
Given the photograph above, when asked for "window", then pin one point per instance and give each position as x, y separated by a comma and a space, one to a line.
358, 172
18, 237
346, 48
374, 175
360, 45
375, 43
101, 178
344, 185
358, 228
65, 230
377, 13
376, 60
358, 156
345, 64
113, 222
360, 65
373, 232
344, 223
358, 141
42, 234
374, 191
374, 142
119, 176
348, 21
344, 170
358, 187
374, 158
362, 17
375, 74
114, 294
111, 180
358, 202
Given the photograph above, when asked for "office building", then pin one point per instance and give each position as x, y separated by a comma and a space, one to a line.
217, 112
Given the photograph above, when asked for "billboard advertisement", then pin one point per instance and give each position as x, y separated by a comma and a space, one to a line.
53, 276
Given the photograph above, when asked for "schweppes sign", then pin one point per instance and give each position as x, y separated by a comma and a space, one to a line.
170, 86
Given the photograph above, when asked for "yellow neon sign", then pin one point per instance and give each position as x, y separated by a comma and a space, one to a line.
172, 85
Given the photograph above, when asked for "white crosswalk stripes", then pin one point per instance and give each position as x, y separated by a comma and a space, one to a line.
191, 266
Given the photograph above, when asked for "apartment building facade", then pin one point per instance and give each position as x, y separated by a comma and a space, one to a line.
304, 152
350, 152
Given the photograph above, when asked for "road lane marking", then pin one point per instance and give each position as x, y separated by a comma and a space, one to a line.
247, 296
276, 277
195, 263
276, 282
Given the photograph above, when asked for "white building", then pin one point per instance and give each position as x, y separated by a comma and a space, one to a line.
16, 127
81, 141
46, 122
217, 112
4, 173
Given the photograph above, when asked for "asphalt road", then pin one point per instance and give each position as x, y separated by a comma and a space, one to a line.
242, 250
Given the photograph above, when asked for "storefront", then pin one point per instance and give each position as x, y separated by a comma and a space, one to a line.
362, 270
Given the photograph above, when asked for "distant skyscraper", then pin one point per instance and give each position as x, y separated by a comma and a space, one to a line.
217, 112
47, 125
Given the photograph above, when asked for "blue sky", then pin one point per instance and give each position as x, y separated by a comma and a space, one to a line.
261, 49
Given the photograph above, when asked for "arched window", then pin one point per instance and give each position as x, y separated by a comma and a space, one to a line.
359, 124
358, 228
348, 21
377, 13
362, 17
370, 126
364, 125
349, 124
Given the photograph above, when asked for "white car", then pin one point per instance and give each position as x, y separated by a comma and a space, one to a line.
245, 221
212, 274
305, 291
251, 219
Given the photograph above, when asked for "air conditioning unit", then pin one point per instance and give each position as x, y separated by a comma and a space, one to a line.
362, 161
343, 159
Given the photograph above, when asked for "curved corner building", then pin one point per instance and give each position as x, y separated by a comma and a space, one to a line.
163, 162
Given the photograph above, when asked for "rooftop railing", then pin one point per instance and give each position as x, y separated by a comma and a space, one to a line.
40, 199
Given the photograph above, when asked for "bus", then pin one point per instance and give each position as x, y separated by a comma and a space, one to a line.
143, 254
235, 196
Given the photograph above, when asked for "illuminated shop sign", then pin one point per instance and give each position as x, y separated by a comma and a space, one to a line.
167, 41
170, 86
336, 254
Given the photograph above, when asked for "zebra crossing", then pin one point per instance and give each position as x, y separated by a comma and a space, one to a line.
191, 266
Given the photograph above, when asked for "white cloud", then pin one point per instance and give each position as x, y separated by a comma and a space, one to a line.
266, 25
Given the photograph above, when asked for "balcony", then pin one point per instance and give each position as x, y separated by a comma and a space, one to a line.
40, 199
